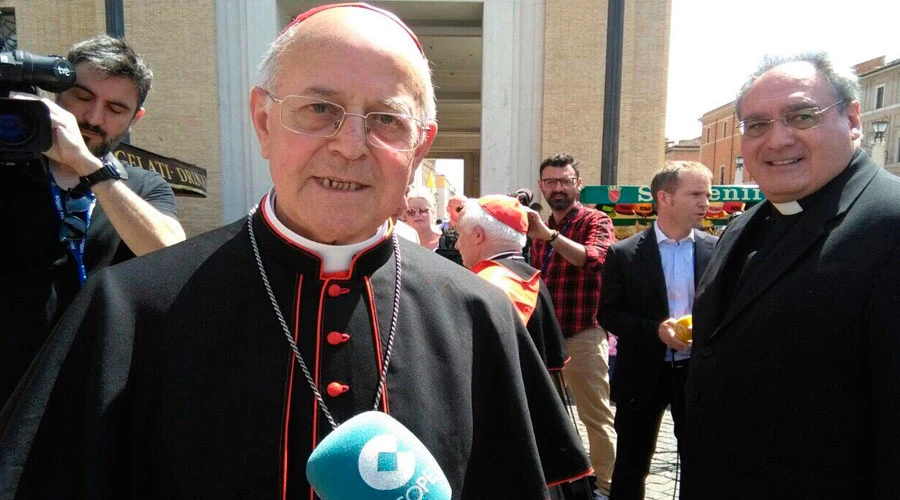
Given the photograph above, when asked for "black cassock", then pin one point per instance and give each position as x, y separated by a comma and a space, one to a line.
176, 381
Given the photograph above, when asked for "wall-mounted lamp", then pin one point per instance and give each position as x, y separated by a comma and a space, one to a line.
880, 128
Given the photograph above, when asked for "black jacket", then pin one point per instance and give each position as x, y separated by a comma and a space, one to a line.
633, 303
175, 379
794, 386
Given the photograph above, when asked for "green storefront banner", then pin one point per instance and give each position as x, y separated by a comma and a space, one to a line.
609, 195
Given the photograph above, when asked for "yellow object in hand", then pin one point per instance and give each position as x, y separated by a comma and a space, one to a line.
684, 328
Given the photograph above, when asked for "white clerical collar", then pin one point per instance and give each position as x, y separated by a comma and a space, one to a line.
335, 258
789, 208
661, 236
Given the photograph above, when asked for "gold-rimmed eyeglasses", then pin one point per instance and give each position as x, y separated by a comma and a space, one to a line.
800, 119
319, 118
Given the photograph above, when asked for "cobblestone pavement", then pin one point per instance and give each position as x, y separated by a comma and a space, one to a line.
661, 483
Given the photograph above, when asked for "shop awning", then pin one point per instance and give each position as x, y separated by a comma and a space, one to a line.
607, 194
628, 205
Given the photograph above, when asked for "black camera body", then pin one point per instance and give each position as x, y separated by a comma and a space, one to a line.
25, 130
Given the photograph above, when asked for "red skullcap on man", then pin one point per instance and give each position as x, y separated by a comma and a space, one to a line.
507, 210
315, 10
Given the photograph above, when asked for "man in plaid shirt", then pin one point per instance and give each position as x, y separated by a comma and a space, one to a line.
570, 250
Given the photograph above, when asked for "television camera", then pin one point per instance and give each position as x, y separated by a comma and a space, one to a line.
25, 129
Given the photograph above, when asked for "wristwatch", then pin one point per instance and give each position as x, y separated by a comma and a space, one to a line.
104, 174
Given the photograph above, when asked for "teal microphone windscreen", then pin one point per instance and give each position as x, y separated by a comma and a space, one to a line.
373, 456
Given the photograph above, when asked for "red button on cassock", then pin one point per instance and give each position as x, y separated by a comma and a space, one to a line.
335, 290
336, 338
335, 389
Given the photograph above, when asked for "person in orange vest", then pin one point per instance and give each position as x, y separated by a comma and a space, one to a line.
491, 236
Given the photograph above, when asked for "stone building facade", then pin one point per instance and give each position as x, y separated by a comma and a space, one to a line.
880, 86
685, 150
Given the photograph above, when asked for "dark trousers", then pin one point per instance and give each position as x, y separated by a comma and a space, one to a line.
638, 427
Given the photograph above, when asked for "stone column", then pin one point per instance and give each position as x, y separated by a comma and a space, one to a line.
244, 29
512, 94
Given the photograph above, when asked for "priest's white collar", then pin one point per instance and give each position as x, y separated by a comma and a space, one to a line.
335, 258
789, 208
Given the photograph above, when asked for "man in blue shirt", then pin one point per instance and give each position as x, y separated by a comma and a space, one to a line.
648, 283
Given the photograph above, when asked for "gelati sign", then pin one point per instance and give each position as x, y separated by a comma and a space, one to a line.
186, 179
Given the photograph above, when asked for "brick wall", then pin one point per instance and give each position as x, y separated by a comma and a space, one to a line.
720, 143
51, 27
178, 41
686, 154
574, 68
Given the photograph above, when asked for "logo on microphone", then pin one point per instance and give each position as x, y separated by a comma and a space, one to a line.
382, 466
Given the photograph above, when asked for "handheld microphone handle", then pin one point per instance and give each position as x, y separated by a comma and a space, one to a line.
373, 456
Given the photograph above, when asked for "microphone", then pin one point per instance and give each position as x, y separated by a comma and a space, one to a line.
373, 456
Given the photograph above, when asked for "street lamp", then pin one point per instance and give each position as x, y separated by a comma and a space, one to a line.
879, 152
880, 128
738, 169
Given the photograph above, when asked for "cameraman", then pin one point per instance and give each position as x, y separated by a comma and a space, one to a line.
79, 209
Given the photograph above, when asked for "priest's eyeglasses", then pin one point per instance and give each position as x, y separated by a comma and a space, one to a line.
319, 118
800, 119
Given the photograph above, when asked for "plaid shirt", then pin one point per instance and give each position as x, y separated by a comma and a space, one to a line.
576, 290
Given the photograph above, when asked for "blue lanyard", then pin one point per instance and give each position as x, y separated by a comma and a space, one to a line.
75, 247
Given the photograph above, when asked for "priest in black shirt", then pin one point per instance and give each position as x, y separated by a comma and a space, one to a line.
794, 382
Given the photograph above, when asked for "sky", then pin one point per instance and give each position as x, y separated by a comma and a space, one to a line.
716, 44
453, 169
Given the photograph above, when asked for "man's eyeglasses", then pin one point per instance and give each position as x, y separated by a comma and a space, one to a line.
800, 119
411, 212
566, 182
318, 118
74, 225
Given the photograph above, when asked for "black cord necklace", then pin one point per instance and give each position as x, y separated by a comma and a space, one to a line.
296, 350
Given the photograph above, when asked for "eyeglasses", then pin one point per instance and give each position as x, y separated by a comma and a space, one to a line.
74, 225
566, 182
411, 212
318, 118
72, 229
801, 119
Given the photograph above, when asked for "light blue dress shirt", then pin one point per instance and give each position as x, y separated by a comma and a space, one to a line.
678, 267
